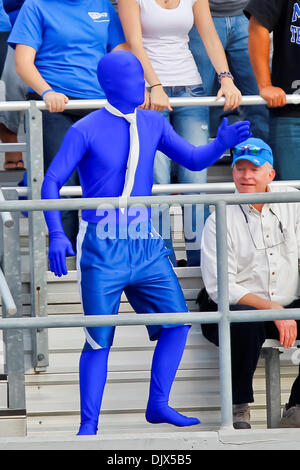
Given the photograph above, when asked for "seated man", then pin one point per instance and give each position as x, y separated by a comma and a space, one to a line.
113, 149
263, 250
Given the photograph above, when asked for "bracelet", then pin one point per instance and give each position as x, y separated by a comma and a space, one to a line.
46, 91
157, 84
224, 74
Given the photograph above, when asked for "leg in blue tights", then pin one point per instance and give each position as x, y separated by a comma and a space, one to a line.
92, 375
166, 359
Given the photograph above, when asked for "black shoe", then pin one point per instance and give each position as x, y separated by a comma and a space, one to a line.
181, 263
241, 416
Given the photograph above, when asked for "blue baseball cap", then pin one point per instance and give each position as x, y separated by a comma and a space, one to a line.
253, 149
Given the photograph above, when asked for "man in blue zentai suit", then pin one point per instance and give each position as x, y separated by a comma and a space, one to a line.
113, 150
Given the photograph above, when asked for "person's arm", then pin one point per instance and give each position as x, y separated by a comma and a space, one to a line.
287, 328
25, 57
197, 158
73, 148
129, 12
206, 28
259, 50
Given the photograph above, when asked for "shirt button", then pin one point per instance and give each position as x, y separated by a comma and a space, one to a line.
273, 273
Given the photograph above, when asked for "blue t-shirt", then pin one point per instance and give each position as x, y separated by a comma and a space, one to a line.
70, 37
4, 19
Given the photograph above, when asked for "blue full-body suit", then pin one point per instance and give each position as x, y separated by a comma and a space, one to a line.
98, 146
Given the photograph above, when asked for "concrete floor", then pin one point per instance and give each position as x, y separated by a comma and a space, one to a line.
227, 439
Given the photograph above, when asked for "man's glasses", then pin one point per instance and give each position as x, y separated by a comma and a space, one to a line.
281, 235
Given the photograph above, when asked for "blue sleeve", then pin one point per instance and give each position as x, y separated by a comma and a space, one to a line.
13, 16
186, 154
27, 29
115, 31
5, 24
72, 150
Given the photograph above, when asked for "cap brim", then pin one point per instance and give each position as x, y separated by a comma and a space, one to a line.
256, 160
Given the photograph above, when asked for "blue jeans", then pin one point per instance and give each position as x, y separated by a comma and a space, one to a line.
192, 124
233, 33
285, 143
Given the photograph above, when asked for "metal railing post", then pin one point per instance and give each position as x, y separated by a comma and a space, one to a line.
37, 235
224, 324
13, 338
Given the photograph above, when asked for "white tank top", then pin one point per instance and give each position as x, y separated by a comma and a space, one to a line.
165, 39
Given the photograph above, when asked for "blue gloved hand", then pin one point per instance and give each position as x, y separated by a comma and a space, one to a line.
60, 246
230, 136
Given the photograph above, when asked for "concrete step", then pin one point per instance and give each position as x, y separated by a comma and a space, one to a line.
13, 423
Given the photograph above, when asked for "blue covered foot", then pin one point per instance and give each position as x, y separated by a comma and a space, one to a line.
168, 415
166, 359
88, 429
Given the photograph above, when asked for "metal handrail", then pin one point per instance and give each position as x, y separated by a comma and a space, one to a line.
147, 201
189, 101
208, 188
127, 319
6, 216
6, 296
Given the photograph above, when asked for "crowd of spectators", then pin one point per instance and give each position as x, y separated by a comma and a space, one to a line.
218, 26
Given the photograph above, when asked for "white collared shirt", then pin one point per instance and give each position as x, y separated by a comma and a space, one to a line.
263, 251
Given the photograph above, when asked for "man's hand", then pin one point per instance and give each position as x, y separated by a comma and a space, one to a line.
287, 328
55, 102
274, 96
230, 136
287, 332
60, 246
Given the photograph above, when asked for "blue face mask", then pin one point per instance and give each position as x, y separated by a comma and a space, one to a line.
121, 77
